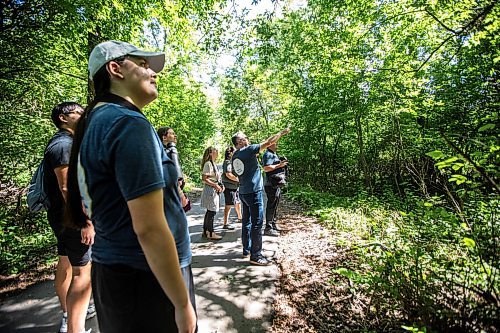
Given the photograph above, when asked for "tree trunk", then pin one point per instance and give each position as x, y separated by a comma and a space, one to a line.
362, 158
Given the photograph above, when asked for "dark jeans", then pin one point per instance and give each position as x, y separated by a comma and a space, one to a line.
131, 300
251, 224
208, 221
273, 200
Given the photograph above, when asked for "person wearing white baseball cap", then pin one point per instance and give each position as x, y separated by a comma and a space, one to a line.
141, 258
111, 50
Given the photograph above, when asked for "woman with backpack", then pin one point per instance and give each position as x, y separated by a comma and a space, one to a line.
169, 141
141, 272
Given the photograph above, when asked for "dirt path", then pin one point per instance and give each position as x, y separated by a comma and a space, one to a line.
232, 296
300, 292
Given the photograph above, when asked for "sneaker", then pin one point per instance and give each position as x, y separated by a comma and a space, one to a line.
90, 311
228, 226
246, 255
64, 324
260, 261
275, 227
271, 232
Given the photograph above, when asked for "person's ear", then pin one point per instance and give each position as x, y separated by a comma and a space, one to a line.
62, 118
114, 69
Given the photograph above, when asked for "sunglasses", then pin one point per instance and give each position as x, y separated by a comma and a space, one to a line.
74, 111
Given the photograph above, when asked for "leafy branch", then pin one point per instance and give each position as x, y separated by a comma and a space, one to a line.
459, 33
466, 156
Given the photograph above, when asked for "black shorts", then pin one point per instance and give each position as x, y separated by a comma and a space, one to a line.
131, 300
187, 275
69, 243
231, 196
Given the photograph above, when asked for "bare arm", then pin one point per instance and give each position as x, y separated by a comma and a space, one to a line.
272, 167
62, 180
206, 180
88, 232
232, 177
158, 244
184, 199
273, 139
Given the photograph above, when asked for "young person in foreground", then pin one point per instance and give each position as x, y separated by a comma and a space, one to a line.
141, 273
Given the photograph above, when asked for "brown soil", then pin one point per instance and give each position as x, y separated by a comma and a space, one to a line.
312, 298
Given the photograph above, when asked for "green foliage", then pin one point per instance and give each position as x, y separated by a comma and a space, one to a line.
415, 329
419, 258
394, 114
185, 108
394, 143
369, 88
44, 47
26, 240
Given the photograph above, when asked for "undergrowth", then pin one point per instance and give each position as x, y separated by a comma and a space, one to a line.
417, 258
26, 240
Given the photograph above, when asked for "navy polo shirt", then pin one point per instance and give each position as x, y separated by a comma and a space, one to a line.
122, 158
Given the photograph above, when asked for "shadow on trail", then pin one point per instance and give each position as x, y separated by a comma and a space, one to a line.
231, 295
238, 322
34, 310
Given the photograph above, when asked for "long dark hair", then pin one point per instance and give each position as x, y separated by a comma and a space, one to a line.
229, 152
206, 156
74, 215
163, 131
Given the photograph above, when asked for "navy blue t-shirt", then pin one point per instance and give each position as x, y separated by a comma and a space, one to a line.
56, 155
246, 167
271, 158
122, 158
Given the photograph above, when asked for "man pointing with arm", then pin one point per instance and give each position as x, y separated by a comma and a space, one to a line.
246, 167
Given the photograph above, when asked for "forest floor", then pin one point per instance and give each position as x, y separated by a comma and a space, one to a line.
307, 298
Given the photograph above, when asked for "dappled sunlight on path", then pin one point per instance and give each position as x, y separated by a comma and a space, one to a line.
232, 295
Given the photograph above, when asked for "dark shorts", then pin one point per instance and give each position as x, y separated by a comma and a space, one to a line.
187, 275
231, 196
69, 243
131, 300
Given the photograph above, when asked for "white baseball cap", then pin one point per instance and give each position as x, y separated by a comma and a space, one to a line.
110, 50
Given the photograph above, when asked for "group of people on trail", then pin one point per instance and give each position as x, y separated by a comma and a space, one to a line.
116, 199
242, 185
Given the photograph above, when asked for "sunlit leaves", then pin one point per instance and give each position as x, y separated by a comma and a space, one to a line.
486, 127
469, 242
436, 154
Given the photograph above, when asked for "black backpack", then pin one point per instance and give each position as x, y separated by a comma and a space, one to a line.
37, 197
